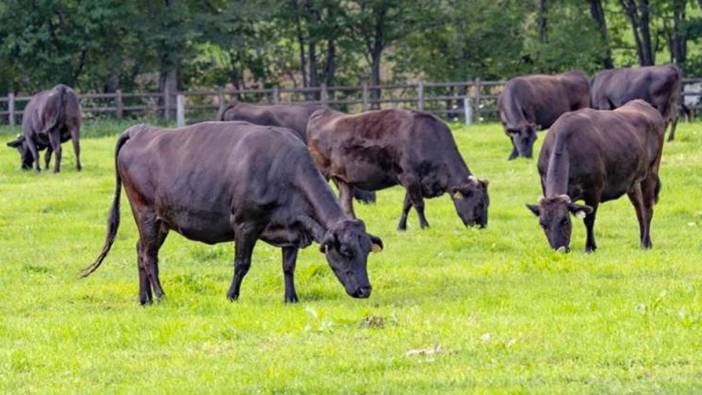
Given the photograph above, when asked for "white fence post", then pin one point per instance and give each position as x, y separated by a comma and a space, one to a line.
365, 96
420, 96
467, 110
11, 109
220, 101
180, 110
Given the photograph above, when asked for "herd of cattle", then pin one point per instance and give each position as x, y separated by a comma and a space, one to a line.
262, 171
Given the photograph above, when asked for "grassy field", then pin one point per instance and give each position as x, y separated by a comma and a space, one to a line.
453, 310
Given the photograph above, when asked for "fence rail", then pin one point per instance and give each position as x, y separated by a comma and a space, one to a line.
467, 101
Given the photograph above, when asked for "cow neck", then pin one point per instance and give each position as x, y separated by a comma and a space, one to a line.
459, 173
325, 208
558, 171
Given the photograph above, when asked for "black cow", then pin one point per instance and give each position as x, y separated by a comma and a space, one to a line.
658, 85
221, 181
378, 149
598, 156
291, 116
534, 102
50, 118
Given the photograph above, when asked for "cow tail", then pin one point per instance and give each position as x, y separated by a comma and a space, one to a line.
657, 189
113, 219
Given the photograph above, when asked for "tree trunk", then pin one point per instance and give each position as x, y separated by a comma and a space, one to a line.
376, 53
678, 40
542, 20
301, 44
640, 26
169, 67
597, 13
330, 66
313, 19
649, 55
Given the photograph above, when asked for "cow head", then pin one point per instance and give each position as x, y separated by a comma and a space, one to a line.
554, 218
25, 155
523, 138
346, 246
471, 201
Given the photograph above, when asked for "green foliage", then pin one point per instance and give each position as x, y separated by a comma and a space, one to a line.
103, 45
453, 310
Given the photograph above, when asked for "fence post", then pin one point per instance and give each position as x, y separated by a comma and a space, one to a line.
220, 101
11, 109
166, 103
467, 110
324, 94
276, 95
119, 104
180, 110
365, 97
477, 100
420, 96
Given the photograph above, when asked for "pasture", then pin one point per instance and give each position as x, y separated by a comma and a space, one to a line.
453, 309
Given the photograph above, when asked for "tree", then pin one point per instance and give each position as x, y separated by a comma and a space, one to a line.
639, 17
598, 15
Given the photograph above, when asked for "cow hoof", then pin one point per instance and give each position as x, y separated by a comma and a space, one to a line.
402, 228
291, 299
79, 168
233, 297
145, 301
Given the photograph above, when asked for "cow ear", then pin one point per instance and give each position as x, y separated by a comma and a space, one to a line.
376, 243
16, 143
484, 183
580, 211
534, 208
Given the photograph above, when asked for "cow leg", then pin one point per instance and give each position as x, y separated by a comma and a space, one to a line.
589, 220
415, 193
346, 198
515, 152
145, 295
245, 240
648, 193
47, 157
55, 142
673, 125
33, 151
75, 138
406, 206
289, 260
637, 200
151, 238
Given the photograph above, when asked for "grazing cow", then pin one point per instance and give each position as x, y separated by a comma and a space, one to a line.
215, 182
534, 102
657, 85
378, 149
50, 118
691, 100
597, 156
290, 116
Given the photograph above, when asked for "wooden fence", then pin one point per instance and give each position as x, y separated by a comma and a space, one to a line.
465, 101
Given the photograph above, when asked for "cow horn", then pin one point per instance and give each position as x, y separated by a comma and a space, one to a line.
565, 198
473, 179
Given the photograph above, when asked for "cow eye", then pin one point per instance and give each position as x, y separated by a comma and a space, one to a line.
564, 221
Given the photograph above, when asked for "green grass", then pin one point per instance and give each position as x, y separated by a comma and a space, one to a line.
504, 312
